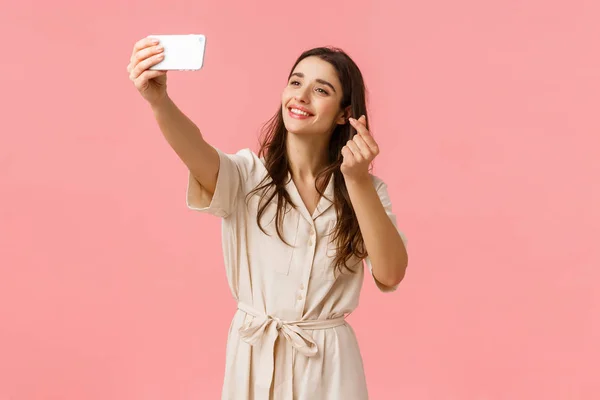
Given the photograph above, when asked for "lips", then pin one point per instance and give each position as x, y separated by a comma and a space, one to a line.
300, 108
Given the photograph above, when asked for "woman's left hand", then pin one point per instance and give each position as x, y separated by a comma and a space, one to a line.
358, 152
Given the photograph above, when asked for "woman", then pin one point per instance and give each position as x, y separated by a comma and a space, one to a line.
297, 221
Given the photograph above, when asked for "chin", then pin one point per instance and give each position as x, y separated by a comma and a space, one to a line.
293, 128
292, 125
294, 131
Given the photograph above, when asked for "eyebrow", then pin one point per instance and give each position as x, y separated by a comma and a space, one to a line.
321, 81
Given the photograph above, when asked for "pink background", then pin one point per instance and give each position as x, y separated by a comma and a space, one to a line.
487, 116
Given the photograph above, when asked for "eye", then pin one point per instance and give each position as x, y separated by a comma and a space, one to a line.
321, 90
293, 83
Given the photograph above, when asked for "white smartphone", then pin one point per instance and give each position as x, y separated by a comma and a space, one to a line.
182, 52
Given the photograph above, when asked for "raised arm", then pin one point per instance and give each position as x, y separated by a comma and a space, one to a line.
180, 132
185, 138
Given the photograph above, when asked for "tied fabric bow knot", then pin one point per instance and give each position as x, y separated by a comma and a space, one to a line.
263, 330
270, 327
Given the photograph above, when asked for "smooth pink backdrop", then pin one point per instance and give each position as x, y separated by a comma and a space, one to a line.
487, 116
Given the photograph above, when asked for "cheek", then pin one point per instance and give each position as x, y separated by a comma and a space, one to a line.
285, 97
329, 109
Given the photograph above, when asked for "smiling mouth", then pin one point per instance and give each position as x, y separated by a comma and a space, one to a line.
299, 112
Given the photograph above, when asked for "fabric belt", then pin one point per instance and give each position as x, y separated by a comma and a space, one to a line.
265, 329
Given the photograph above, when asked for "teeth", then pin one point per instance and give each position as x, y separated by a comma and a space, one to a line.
299, 112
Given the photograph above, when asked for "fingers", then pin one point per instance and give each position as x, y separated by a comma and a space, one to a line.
142, 55
348, 156
364, 139
143, 79
148, 52
142, 66
360, 125
142, 44
362, 147
369, 142
142, 50
355, 150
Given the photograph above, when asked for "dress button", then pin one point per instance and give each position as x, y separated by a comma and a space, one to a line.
302, 286
300, 297
310, 242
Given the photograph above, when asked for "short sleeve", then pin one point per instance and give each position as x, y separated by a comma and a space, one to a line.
382, 191
234, 170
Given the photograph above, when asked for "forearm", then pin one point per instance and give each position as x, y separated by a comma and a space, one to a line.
186, 140
382, 241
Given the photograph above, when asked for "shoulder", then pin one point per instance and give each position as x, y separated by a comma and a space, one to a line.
246, 155
248, 164
245, 159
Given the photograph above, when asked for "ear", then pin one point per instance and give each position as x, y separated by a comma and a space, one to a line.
343, 118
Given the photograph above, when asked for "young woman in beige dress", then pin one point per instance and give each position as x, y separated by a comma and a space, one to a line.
298, 219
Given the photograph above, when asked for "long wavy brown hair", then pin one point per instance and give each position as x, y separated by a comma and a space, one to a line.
346, 235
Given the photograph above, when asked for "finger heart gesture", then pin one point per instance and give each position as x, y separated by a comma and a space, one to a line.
359, 151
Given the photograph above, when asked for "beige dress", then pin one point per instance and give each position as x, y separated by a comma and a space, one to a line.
288, 340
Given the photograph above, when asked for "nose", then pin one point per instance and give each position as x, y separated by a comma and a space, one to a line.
302, 94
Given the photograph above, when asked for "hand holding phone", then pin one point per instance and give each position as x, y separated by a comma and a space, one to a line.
154, 55
151, 84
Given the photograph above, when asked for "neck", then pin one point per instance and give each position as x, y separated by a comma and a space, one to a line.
307, 155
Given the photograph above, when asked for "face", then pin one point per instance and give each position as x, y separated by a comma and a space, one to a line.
311, 100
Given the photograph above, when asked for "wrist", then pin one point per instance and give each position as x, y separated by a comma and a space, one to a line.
159, 103
362, 180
